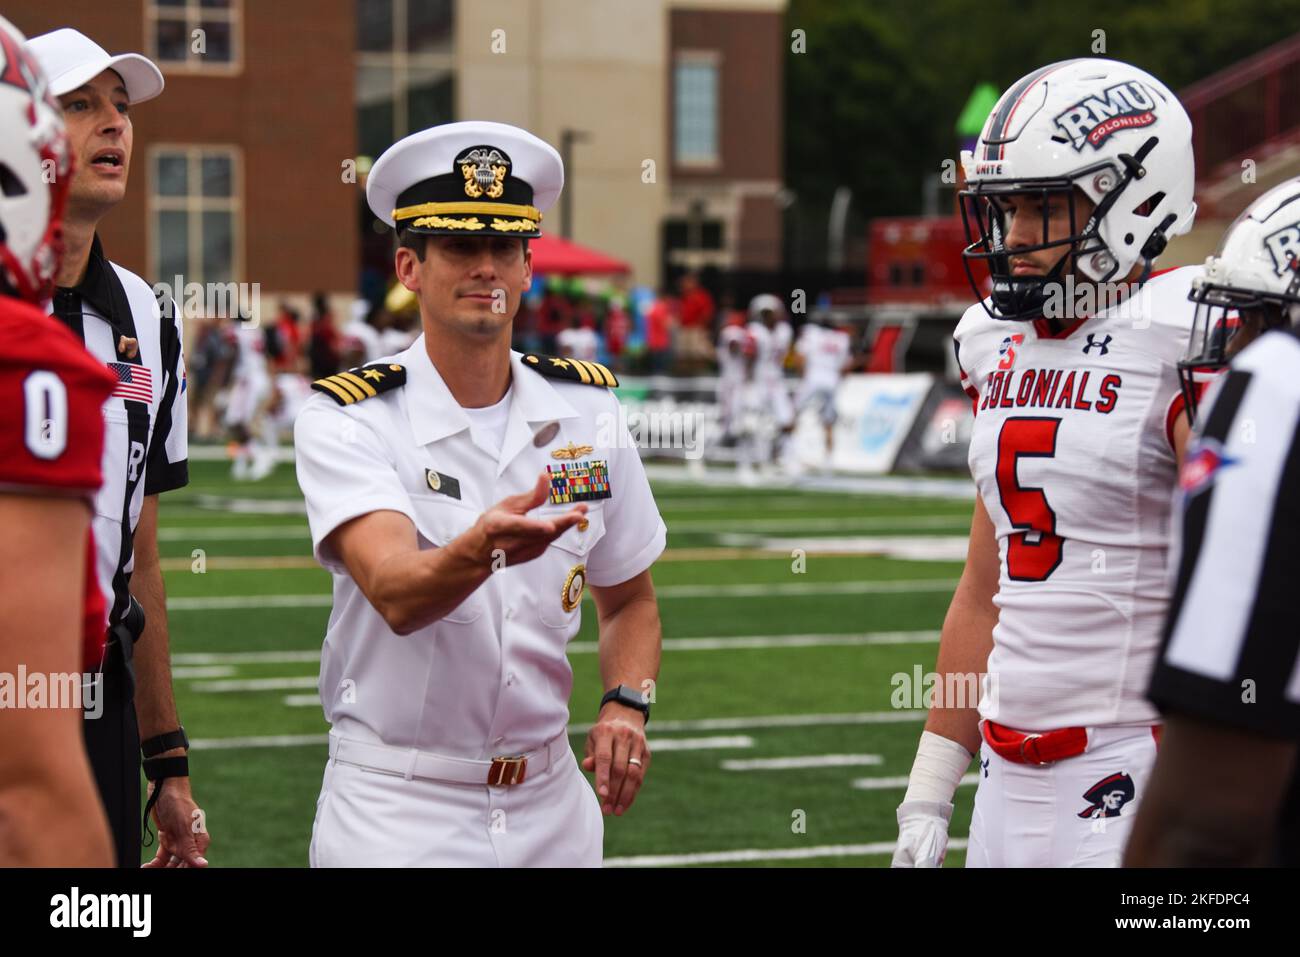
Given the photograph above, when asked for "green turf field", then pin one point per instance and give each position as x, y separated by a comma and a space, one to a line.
801, 668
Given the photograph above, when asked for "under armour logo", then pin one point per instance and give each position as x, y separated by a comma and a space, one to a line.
1100, 345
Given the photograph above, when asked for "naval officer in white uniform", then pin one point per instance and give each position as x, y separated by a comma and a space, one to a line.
464, 497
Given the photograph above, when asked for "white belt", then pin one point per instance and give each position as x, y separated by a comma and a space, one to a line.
412, 763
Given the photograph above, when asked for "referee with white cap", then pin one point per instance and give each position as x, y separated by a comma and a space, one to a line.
464, 497
122, 324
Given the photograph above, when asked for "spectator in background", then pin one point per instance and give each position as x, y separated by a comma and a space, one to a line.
579, 341
660, 321
617, 327
287, 350
323, 345
696, 326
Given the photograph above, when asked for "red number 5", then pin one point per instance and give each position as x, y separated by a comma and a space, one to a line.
1034, 553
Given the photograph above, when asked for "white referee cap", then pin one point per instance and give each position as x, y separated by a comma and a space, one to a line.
71, 59
468, 179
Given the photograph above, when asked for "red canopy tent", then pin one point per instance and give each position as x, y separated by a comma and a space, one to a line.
553, 256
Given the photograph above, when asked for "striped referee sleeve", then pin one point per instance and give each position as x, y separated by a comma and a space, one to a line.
1233, 634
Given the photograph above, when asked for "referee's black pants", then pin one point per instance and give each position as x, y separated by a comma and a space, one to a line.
113, 743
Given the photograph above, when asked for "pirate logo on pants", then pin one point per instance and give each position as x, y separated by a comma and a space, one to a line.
1108, 796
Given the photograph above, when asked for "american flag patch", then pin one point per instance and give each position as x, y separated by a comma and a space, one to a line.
133, 382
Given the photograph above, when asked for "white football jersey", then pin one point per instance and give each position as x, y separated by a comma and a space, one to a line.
578, 343
824, 351
772, 345
731, 364
1072, 454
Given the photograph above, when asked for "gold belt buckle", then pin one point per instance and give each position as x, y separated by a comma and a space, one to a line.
506, 772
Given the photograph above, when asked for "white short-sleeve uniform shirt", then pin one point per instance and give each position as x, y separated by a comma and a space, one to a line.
491, 678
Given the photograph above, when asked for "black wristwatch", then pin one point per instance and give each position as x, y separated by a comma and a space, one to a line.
629, 697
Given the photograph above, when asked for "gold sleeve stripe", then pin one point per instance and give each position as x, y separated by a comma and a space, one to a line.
605, 374
597, 376
358, 381
583, 374
327, 384
340, 381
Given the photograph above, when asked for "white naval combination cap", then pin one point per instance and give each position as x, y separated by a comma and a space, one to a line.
71, 59
468, 179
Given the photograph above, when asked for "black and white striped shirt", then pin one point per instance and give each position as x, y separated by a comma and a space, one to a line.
145, 435
1231, 650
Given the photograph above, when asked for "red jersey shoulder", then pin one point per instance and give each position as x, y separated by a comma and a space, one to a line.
52, 392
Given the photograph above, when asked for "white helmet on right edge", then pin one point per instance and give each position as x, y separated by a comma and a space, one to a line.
1104, 127
35, 171
1251, 285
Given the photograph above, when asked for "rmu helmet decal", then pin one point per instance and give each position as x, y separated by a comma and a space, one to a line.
1284, 247
1094, 119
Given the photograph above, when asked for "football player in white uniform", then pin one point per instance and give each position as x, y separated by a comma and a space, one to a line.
731, 375
253, 439
772, 336
1083, 171
825, 353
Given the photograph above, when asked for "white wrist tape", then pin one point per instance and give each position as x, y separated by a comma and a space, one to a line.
938, 769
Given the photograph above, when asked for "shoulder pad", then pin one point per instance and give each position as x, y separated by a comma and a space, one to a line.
573, 370
363, 382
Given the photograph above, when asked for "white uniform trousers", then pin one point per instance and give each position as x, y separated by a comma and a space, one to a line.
368, 818
1077, 812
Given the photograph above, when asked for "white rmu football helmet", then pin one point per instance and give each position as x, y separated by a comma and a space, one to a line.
35, 171
1111, 130
1250, 285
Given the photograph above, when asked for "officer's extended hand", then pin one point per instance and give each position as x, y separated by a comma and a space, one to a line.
182, 834
507, 527
617, 737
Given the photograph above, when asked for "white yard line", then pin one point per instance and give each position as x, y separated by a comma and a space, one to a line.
885, 784
237, 533
201, 671
255, 684
246, 657
231, 533
263, 741
775, 854
804, 761
759, 590
657, 745
779, 721
706, 724
721, 643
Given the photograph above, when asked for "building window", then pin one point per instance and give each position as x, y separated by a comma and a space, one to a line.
695, 109
194, 214
405, 69
194, 35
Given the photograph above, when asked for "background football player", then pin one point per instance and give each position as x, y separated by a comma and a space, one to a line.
1083, 170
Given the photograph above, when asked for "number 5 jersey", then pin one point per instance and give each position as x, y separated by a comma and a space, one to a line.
1072, 454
